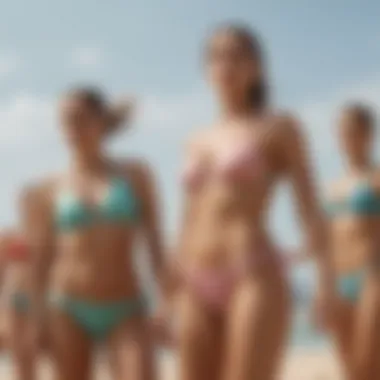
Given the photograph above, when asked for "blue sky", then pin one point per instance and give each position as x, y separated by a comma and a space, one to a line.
320, 54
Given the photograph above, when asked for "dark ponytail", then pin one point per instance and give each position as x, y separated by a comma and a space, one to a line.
115, 116
363, 114
258, 95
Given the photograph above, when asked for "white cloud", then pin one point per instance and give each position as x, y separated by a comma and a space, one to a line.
25, 119
9, 63
175, 112
87, 57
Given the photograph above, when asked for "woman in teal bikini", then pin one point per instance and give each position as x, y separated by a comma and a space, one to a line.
86, 224
354, 210
15, 319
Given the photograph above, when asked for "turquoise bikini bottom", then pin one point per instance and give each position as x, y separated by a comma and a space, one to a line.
98, 319
20, 302
349, 285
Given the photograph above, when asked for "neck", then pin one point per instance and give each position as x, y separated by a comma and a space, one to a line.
89, 163
238, 109
359, 166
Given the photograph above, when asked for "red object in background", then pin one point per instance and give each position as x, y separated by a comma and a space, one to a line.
17, 250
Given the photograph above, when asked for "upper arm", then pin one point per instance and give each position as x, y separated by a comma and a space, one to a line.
28, 208
194, 157
299, 170
195, 146
3, 250
375, 181
147, 192
35, 216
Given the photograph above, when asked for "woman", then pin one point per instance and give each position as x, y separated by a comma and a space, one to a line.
16, 322
233, 301
86, 223
354, 208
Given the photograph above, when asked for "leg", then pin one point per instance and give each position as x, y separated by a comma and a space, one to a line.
200, 340
367, 337
343, 333
257, 327
23, 356
3, 330
70, 348
131, 351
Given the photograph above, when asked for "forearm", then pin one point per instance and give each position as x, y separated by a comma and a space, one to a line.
319, 246
39, 285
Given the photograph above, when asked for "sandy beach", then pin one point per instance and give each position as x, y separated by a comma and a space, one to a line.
311, 364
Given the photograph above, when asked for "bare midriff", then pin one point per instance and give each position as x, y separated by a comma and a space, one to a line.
228, 224
355, 242
96, 263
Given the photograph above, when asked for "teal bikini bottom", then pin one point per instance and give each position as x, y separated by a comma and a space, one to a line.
349, 285
98, 319
20, 302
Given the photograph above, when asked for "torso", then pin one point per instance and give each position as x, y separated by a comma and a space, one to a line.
229, 206
355, 234
95, 261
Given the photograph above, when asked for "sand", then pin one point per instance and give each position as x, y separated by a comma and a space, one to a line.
313, 364
316, 364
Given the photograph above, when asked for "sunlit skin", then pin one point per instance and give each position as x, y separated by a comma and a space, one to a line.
356, 243
15, 277
225, 226
96, 262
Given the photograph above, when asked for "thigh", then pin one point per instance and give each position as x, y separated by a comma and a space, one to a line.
22, 353
131, 351
19, 325
3, 331
366, 341
200, 340
257, 330
343, 331
70, 347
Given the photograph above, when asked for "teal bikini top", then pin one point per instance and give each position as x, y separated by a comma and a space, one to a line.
362, 201
120, 205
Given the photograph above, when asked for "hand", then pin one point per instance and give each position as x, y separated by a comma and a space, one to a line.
32, 338
3, 333
38, 338
323, 310
161, 329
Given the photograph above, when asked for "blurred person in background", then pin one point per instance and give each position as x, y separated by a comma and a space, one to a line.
354, 207
15, 320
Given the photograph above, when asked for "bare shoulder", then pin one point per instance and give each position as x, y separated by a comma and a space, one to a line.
138, 169
287, 127
199, 140
39, 191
